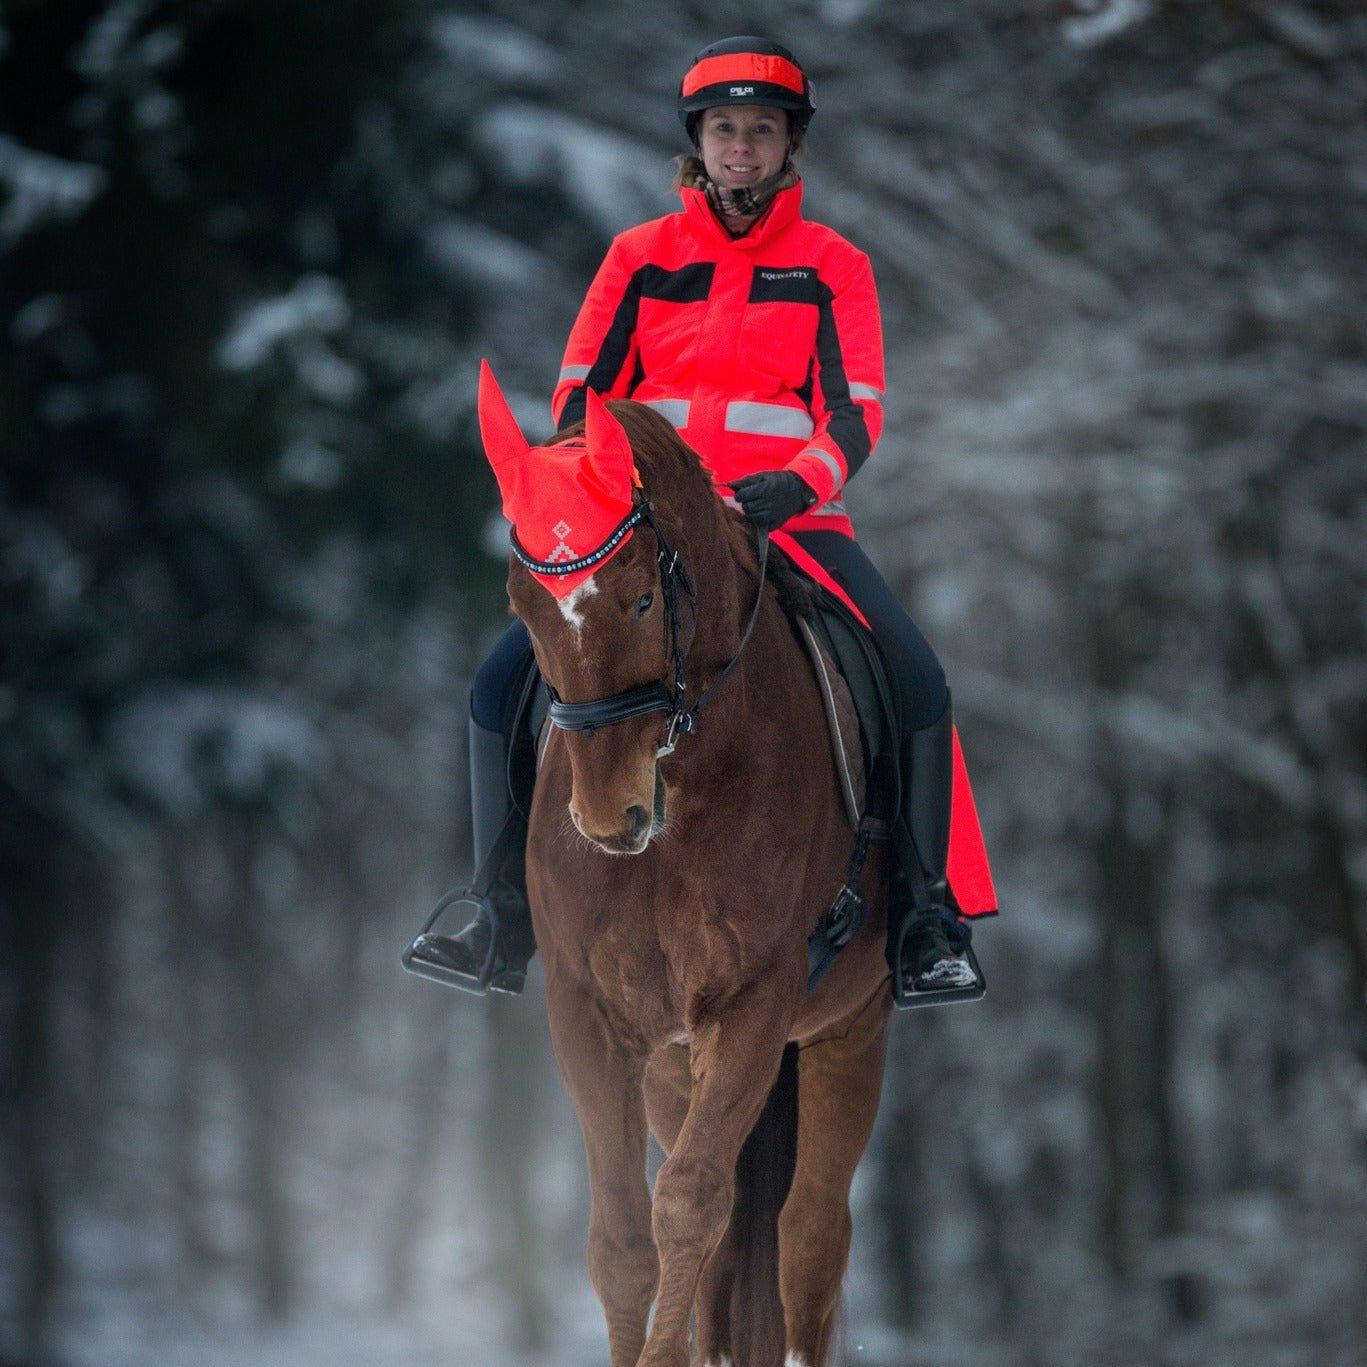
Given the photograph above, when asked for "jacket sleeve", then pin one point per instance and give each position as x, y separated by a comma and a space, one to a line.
847, 382
601, 351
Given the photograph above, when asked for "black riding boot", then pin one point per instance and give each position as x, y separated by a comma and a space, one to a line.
928, 946
492, 952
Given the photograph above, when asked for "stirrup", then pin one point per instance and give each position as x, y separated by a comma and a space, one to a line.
429, 958
907, 997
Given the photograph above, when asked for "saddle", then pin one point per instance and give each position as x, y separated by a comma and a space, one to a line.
865, 726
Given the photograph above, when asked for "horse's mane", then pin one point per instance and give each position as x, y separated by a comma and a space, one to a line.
668, 465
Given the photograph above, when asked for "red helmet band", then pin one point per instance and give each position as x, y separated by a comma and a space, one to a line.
742, 68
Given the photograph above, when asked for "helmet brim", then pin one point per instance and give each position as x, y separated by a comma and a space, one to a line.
756, 93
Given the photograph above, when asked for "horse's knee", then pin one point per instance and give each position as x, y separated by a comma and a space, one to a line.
622, 1252
693, 1199
623, 1268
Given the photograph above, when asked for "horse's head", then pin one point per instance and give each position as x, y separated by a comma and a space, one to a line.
603, 630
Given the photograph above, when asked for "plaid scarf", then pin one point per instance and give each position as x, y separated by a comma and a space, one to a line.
746, 201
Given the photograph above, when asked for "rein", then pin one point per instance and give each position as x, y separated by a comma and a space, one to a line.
664, 695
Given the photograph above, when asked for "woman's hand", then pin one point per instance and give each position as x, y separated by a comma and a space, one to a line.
771, 497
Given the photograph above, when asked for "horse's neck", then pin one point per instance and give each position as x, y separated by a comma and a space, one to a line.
727, 582
724, 572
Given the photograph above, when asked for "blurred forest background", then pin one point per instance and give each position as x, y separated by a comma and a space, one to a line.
250, 255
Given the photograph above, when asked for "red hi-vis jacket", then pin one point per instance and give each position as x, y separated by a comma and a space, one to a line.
765, 351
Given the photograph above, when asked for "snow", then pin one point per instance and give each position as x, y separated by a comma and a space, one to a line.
315, 305
1105, 19
613, 180
42, 190
495, 46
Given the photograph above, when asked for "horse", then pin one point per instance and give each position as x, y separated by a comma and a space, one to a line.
675, 872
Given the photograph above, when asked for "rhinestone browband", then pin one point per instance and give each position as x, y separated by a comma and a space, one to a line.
584, 562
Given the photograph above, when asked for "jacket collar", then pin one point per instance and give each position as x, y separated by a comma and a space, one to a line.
782, 210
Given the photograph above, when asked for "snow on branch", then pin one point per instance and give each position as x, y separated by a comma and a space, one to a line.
42, 189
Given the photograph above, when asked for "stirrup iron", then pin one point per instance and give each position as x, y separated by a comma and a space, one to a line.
906, 996
427, 955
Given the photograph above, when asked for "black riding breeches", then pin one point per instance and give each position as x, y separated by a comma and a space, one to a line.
915, 670
492, 699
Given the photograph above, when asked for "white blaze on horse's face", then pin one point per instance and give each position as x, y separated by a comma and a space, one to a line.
617, 797
571, 604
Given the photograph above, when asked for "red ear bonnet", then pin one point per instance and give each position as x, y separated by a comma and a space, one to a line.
503, 439
565, 501
610, 451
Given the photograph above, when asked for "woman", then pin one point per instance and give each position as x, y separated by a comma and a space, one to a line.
757, 334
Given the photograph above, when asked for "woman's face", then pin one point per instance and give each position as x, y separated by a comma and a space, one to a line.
743, 144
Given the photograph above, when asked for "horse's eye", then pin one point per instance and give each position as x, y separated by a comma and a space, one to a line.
643, 604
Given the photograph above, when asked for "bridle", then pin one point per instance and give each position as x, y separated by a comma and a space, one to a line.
663, 695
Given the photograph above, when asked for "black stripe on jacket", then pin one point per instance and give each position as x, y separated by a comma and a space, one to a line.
848, 429
688, 285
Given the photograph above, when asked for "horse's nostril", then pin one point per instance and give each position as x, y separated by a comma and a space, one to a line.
640, 819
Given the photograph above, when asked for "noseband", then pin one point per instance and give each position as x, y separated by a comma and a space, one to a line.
664, 695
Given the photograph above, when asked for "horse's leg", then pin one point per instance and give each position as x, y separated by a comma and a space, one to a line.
604, 1082
668, 1087
735, 1061
839, 1083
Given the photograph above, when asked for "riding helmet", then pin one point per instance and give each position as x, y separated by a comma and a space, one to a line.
745, 70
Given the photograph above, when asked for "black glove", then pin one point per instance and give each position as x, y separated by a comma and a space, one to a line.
771, 497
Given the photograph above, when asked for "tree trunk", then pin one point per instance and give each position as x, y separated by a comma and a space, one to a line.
262, 1065
428, 1093
30, 909
510, 1123
189, 984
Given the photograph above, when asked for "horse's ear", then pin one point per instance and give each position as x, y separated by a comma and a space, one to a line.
503, 439
609, 448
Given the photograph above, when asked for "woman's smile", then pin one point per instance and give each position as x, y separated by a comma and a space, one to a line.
742, 145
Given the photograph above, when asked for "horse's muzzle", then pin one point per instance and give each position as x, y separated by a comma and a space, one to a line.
638, 824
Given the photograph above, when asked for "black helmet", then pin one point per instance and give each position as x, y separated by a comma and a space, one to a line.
745, 70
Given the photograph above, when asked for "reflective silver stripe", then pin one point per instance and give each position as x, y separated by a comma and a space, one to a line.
835, 508
828, 461
676, 410
866, 391
575, 372
768, 420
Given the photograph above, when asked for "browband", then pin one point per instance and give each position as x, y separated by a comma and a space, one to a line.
584, 562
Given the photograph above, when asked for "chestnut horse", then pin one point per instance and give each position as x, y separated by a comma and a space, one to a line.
672, 896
